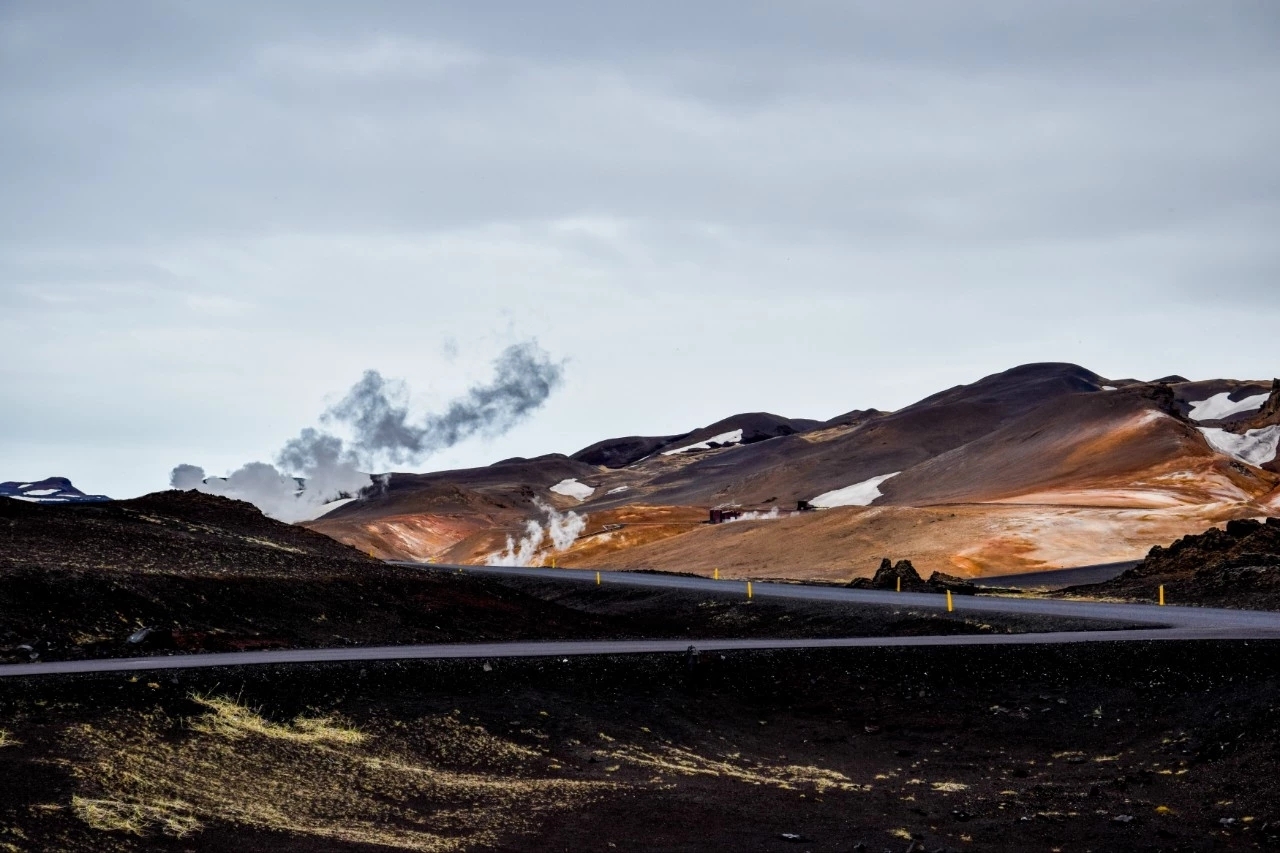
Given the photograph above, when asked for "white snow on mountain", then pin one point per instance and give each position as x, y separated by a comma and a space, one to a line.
322, 509
55, 490
1256, 447
618, 490
859, 494
734, 437
572, 488
1221, 406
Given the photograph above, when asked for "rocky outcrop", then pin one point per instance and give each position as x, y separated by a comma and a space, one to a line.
890, 574
941, 581
1238, 565
1192, 554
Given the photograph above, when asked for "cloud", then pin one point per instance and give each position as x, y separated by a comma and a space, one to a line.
1002, 181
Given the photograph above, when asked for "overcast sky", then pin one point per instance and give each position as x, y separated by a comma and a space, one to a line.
215, 216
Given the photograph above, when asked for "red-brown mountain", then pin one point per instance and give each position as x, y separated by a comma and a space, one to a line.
1041, 466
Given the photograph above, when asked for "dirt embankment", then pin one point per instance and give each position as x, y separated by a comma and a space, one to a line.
1143, 746
1238, 566
184, 572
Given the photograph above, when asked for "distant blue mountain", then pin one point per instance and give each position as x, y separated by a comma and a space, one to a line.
52, 490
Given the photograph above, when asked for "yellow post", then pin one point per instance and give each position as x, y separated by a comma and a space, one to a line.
950, 606
597, 579
899, 589
748, 590
716, 576
553, 562
1162, 595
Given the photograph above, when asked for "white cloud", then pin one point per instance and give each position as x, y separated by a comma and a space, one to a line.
372, 59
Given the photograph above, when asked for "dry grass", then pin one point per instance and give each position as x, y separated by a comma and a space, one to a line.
6, 739
170, 817
234, 721
682, 761
314, 776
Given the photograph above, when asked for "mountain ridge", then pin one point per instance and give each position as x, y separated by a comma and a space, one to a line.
1035, 462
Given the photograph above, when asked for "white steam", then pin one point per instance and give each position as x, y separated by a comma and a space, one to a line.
278, 495
381, 430
562, 528
759, 516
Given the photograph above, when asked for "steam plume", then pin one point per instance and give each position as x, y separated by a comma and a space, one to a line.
563, 528
772, 514
375, 412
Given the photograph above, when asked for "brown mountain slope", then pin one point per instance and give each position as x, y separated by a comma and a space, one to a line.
1041, 466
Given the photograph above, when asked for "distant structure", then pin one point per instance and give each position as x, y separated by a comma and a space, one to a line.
718, 516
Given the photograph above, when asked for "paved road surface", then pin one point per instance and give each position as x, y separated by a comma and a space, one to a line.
1166, 623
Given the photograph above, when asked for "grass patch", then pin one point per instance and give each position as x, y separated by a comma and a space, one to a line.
314, 776
234, 721
170, 817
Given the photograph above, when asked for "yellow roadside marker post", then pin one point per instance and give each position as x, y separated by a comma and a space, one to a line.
899, 589
950, 606
1162, 595
553, 562
597, 579
716, 576
748, 590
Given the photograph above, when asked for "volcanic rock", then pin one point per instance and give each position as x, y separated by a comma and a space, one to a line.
888, 576
942, 582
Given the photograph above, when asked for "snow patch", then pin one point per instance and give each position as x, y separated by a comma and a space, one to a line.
859, 494
1256, 447
330, 506
573, 489
1108, 387
618, 490
43, 492
1221, 406
734, 437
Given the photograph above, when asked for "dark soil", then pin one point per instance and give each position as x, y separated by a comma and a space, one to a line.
205, 573
1235, 567
1104, 747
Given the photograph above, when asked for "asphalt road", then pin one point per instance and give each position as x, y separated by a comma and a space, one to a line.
1166, 623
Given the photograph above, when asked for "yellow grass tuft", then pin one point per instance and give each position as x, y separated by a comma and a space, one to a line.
172, 817
232, 720
686, 762
6, 739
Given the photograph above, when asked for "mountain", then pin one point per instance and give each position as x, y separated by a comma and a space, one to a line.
52, 490
1038, 467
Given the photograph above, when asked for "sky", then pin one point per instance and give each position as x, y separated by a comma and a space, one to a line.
214, 217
